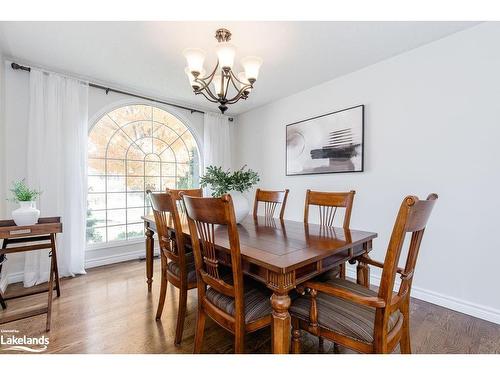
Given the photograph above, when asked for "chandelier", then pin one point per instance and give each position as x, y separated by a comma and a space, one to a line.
228, 87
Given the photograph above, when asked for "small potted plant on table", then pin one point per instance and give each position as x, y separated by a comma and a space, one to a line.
234, 183
26, 214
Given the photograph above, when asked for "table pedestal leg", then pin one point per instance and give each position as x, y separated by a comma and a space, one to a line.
149, 257
281, 323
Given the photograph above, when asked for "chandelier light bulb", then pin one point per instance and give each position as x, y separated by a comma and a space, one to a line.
251, 64
195, 58
225, 53
217, 81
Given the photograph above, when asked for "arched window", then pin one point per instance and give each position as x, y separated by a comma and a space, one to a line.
130, 150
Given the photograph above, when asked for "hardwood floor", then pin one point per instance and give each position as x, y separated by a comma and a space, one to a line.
110, 311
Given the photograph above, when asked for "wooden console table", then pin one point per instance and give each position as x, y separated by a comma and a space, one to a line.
43, 235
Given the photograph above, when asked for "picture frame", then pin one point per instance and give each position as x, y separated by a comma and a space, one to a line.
329, 143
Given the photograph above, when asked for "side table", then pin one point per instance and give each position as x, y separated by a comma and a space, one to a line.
38, 236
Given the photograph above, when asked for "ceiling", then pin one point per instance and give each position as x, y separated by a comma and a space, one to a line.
147, 56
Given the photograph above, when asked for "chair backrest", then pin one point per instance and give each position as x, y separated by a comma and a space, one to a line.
207, 217
191, 192
328, 203
167, 216
176, 194
271, 200
412, 218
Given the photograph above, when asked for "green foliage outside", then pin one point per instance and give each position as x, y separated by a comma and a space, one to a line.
92, 234
187, 181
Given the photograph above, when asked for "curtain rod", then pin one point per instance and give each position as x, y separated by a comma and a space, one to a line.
16, 66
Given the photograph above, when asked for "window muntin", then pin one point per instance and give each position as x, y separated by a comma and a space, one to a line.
130, 150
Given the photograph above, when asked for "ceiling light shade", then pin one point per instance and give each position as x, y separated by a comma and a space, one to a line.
217, 81
195, 85
251, 64
195, 58
225, 53
244, 82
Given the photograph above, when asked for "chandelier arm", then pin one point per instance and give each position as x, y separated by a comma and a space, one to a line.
204, 85
203, 81
206, 97
245, 86
238, 96
207, 90
234, 84
236, 78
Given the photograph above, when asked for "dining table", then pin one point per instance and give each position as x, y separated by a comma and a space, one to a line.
281, 254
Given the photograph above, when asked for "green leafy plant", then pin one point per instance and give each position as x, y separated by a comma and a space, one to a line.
222, 182
22, 193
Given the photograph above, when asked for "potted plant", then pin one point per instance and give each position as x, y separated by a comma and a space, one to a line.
234, 183
26, 214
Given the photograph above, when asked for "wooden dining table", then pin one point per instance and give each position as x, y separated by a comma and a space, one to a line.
281, 254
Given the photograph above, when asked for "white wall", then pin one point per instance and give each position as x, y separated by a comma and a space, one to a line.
13, 161
432, 124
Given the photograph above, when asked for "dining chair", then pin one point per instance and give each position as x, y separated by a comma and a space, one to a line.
234, 302
177, 267
271, 200
357, 317
328, 204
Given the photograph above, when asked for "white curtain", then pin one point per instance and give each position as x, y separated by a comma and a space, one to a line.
56, 165
216, 141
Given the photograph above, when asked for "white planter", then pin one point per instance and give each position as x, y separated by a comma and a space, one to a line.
241, 206
26, 214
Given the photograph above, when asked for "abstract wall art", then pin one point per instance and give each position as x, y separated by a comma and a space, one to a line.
330, 143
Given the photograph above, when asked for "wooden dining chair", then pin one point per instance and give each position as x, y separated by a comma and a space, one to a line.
177, 267
357, 317
271, 200
328, 204
236, 303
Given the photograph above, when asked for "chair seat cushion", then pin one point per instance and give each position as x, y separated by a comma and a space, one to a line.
175, 269
342, 316
257, 301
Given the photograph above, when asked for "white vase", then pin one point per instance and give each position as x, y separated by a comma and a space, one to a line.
26, 214
241, 206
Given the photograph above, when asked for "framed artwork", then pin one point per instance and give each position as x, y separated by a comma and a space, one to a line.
331, 143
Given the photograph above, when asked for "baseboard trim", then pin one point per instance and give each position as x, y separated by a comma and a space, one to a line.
452, 303
3, 283
114, 258
17, 277
11, 278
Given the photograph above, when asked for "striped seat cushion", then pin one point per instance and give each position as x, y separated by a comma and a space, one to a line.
257, 301
342, 316
174, 268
